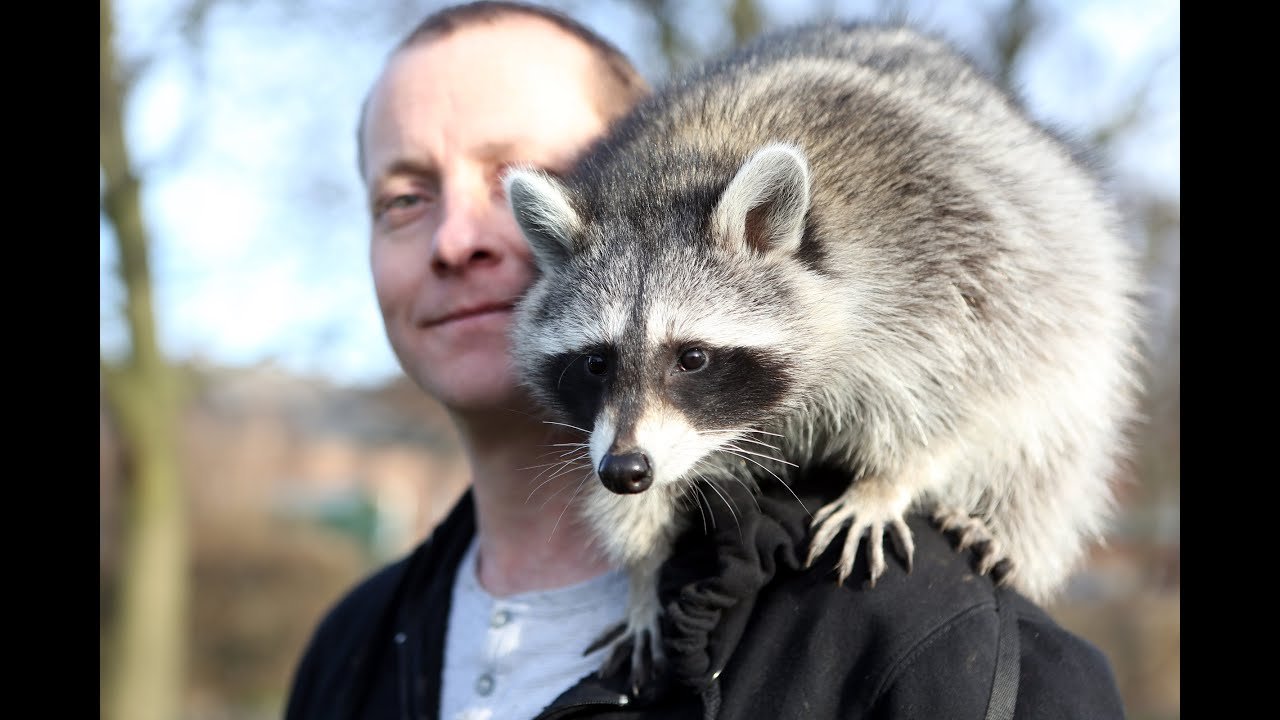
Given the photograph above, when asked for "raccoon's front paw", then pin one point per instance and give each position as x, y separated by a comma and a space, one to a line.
972, 532
872, 507
639, 639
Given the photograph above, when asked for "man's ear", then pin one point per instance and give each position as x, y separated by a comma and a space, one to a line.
545, 214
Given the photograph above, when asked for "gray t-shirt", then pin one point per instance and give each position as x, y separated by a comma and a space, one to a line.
508, 658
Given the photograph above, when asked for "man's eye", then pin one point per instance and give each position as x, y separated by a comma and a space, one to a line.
400, 204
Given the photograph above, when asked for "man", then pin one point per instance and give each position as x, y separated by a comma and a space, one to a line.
489, 618
471, 91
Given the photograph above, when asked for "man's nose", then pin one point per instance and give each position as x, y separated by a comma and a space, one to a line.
466, 237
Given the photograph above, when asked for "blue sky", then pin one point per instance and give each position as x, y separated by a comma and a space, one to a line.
246, 148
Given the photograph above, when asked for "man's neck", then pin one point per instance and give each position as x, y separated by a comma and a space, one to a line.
530, 537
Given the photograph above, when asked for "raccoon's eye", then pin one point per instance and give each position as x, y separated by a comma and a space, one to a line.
596, 365
692, 359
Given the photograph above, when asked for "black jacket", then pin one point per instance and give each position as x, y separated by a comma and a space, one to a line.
750, 634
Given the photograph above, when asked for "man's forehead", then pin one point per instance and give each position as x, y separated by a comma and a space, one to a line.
516, 52
486, 90
483, 126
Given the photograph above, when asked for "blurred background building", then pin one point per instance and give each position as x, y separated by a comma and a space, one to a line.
260, 450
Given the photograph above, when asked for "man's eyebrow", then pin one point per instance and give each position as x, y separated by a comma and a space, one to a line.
406, 166
403, 166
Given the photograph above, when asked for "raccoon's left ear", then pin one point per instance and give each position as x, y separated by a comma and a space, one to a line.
763, 208
545, 215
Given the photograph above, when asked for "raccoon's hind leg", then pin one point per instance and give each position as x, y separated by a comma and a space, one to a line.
872, 506
639, 637
972, 532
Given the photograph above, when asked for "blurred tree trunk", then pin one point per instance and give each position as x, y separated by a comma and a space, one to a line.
744, 16
1013, 31
674, 49
144, 674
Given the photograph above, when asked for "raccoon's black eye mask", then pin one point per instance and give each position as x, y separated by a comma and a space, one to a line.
690, 360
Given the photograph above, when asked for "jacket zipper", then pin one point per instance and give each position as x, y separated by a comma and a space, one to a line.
564, 711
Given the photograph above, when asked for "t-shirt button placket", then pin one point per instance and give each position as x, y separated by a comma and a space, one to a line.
484, 684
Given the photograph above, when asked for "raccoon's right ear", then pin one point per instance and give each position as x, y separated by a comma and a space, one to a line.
763, 208
545, 215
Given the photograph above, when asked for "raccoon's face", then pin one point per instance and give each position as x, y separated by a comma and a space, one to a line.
662, 370
664, 351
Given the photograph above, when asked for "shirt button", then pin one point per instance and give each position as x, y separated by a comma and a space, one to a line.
484, 684
500, 618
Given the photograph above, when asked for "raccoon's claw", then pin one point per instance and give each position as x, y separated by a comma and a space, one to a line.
1004, 571
607, 637
641, 646
973, 532
619, 655
646, 662
869, 509
903, 543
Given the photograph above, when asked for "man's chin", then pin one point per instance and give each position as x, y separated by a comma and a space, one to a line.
464, 376
497, 416
479, 390
511, 402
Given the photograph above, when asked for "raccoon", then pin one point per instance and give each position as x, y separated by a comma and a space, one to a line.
839, 244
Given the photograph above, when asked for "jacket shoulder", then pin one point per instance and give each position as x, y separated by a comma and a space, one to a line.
334, 662
1062, 674
918, 644
923, 643
339, 636
952, 672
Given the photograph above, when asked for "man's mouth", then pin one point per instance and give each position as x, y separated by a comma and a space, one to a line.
468, 313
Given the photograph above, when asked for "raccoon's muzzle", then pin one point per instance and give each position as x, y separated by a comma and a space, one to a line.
626, 473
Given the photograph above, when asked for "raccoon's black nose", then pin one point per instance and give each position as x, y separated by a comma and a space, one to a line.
626, 474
